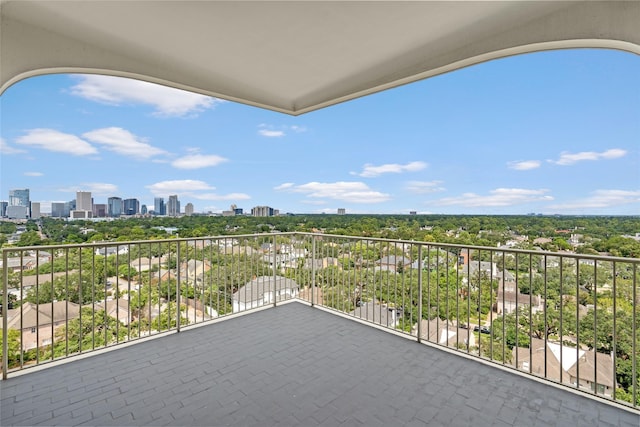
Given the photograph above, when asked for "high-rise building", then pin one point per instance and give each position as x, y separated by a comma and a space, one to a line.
158, 206
173, 206
131, 206
84, 202
19, 197
262, 211
99, 210
3, 208
188, 209
60, 209
35, 210
17, 212
143, 209
342, 211
114, 206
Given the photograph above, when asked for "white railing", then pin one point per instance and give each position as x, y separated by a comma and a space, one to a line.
568, 318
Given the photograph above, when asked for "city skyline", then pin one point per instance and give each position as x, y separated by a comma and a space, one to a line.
551, 132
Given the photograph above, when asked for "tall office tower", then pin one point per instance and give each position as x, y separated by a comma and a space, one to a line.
35, 210
158, 206
143, 209
99, 210
262, 211
84, 202
173, 206
3, 208
131, 206
114, 206
188, 209
60, 209
342, 211
19, 197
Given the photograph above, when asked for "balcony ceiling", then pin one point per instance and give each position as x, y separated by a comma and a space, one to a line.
294, 56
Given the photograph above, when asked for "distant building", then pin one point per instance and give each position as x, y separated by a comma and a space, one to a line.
159, 207
80, 214
114, 206
84, 202
35, 210
143, 209
188, 209
3, 208
131, 206
99, 210
19, 197
262, 211
342, 211
173, 206
413, 213
17, 212
60, 210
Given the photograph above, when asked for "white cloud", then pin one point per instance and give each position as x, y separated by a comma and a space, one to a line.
284, 186
523, 165
192, 189
213, 196
168, 102
271, 133
53, 140
423, 187
569, 158
371, 171
498, 197
354, 192
33, 174
601, 199
165, 188
123, 142
7, 149
96, 189
198, 161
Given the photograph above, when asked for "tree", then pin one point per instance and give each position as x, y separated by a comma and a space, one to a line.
13, 353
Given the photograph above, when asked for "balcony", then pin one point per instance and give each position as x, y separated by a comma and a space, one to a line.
307, 329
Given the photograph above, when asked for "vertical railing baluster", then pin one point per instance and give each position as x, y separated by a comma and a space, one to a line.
5, 309
595, 312
615, 331
634, 348
178, 286
577, 323
561, 266
546, 326
420, 290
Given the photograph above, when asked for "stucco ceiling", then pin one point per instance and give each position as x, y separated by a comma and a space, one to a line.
294, 56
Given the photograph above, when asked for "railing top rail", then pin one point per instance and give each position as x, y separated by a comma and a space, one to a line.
324, 235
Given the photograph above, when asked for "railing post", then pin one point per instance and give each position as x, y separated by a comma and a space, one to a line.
178, 285
313, 268
419, 293
275, 270
5, 306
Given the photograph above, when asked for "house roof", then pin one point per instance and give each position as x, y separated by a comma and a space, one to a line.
376, 312
255, 289
306, 55
573, 360
34, 315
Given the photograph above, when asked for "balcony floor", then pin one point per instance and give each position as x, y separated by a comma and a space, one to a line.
293, 365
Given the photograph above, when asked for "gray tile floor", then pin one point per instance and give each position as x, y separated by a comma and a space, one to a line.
292, 365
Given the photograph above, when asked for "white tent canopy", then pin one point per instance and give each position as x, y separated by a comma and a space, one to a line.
294, 56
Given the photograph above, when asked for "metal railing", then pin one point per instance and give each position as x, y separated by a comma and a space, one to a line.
567, 318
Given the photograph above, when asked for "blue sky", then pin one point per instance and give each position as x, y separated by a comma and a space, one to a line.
552, 132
